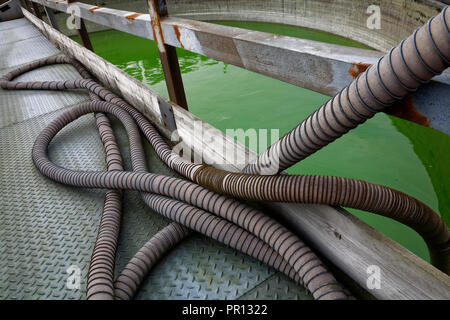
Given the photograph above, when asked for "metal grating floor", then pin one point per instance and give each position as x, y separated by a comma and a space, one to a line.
46, 227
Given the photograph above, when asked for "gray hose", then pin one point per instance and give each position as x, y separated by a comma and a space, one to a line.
303, 259
415, 61
306, 189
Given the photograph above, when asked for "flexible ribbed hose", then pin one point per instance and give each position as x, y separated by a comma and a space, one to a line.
324, 190
293, 250
283, 241
303, 259
305, 189
321, 286
313, 275
100, 277
415, 61
133, 274
338, 191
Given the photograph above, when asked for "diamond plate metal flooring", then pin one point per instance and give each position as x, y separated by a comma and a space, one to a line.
17, 49
19, 105
23, 32
46, 227
6, 25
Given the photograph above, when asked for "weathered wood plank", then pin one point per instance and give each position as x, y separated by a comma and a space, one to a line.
358, 246
314, 65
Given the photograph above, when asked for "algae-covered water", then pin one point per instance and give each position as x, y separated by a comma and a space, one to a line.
384, 150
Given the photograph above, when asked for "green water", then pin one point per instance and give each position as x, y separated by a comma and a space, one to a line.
384, 150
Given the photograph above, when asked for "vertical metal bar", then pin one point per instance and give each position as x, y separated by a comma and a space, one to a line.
27, 5
167, 54
83, 33
51, 17
84, 36
36, 10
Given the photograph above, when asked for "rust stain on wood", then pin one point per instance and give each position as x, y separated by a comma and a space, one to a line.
177, 33
133, 16
156, 27
91, 10
357, 69
405, 109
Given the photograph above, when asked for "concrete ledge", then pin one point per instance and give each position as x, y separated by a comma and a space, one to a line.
346, 18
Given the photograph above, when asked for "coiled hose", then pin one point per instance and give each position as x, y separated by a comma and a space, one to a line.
235, 224
412, 54
305, 189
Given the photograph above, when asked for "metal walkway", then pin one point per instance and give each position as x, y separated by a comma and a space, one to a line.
45, 227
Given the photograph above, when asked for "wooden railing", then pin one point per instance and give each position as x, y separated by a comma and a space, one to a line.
322, 67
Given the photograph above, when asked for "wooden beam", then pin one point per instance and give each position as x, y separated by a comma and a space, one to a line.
321, 67
167, 53
339, 236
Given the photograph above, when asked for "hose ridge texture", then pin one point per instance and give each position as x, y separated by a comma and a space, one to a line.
337, 191
415, 61
183, 190
233, 223
100, 277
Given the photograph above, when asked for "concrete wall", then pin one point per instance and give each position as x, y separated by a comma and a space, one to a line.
347, 18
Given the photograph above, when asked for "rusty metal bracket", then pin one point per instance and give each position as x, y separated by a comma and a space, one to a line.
51, 17
27, 5
167, 115
36, 10
83, 33
168, 56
